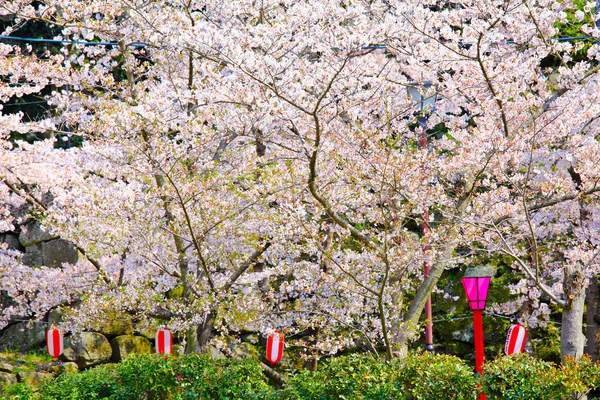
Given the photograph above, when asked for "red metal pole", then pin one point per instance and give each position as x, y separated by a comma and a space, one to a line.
478, 337
428, 314
425, 233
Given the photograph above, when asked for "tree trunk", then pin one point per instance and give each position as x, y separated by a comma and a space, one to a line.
572, 339
591, 310
191, 340
205, 330
401, 338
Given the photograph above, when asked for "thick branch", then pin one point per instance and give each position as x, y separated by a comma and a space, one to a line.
247, 264
490, 86
551, 203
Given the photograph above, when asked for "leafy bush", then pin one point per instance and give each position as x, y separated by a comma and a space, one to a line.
417, 377
201, 377
429, 376
154, 377
18, 391
581, 375
351, 377
146, 377
522, 377
96, 383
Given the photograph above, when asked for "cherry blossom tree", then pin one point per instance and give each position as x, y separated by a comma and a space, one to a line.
263, 158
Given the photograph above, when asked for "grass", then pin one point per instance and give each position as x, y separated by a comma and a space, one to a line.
25, 362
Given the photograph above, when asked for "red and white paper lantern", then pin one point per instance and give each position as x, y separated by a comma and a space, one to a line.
275, 347
54, 342
515, 341
164, 341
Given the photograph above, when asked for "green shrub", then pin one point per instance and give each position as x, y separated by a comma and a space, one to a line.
356, 377
522, 377
146, 377
18, 391
581, 375
201, 377
154, 377
351, 377
430, 376
96, 383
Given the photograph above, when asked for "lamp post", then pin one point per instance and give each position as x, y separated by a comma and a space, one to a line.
426, 105
476, 288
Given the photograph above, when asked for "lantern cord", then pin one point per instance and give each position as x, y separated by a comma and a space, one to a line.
491, 314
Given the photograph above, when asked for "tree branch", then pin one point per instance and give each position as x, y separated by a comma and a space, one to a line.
247, 264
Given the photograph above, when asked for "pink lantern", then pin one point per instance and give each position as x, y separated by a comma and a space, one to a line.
54, 342
164, 341
476, 289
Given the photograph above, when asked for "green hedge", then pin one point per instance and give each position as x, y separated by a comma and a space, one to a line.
156, 377
417, 377
522, 377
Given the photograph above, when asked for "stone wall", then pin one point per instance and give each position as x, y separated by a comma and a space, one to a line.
40, 247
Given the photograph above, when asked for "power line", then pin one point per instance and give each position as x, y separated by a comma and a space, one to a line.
24, 103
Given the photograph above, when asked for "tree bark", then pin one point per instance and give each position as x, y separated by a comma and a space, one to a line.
205, 330
191, 341
572, 339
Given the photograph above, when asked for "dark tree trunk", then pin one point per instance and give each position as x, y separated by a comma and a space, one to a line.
205, 330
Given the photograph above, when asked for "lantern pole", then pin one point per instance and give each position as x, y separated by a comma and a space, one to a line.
478, 338
476, 288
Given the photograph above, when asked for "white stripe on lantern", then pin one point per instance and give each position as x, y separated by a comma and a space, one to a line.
167, 341
275, 347
50, 342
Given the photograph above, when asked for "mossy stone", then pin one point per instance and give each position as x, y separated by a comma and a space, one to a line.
128, 344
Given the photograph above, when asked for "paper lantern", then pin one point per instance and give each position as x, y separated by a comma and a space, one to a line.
164, 341
54, 342
275, 347
516, 339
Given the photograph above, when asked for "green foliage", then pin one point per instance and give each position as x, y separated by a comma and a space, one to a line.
351, 377
429, 376
546, 343
146, 376
157, 377
201, 377
522, 377
420, 376
96, 383
580, 375
356, 377
19, 391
